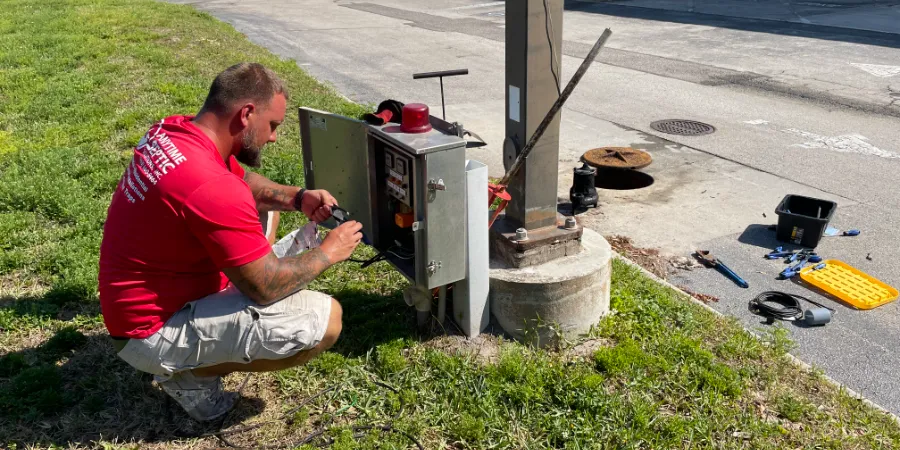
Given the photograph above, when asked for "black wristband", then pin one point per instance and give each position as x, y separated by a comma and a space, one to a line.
298, 199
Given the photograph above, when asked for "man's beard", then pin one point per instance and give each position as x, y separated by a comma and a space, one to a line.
250, 153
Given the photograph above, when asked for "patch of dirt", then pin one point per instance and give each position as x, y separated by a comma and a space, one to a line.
23, 339
484, 348
650, 258
666, 410
20, 283
585, 350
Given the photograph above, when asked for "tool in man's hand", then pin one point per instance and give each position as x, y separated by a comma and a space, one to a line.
711, 261
341, 215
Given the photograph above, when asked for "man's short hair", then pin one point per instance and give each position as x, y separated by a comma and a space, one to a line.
244, 82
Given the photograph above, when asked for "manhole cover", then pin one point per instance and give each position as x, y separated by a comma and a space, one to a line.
682, 127
617, 158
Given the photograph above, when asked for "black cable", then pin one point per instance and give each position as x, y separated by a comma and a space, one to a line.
379, 257
780, 305
548, 27
382, 255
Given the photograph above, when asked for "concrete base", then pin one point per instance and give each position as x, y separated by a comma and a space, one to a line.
542, 245
564, 297
534, 256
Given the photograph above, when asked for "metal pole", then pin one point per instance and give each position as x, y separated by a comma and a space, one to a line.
520, 159
442, 304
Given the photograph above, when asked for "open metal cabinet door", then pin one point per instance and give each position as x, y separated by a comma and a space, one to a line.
337, 157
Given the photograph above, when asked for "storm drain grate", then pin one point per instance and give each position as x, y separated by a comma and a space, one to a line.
682, 127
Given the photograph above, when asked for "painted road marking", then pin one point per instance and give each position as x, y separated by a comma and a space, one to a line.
845, 143
480, 5
879, 70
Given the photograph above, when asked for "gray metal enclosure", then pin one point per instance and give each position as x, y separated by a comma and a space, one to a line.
376, 171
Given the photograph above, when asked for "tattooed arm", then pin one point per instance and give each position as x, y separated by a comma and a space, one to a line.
270, 279
271, 196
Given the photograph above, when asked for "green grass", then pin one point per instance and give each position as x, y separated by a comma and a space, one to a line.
80, 82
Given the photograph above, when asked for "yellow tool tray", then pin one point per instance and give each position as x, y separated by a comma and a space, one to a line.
849, 284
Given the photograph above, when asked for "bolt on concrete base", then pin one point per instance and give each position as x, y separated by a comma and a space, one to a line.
562, 298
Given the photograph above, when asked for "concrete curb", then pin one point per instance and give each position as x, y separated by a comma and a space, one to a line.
788, 357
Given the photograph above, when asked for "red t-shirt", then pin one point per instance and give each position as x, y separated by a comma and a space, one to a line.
179, 216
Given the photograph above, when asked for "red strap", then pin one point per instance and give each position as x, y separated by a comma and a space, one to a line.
496, 191
385, 115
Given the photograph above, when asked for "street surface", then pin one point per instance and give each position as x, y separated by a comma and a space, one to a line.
804, 99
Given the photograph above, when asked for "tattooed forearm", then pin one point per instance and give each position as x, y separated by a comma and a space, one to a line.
269, 195
270, 279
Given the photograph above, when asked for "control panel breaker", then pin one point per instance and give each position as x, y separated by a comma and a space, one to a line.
407, 189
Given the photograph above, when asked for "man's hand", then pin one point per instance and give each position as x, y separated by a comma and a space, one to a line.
340, 242
271, 196
269, 279
316, 204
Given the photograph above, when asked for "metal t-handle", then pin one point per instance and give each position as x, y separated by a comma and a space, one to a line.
441, 74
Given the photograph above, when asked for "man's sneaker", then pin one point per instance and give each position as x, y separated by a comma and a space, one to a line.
203, 398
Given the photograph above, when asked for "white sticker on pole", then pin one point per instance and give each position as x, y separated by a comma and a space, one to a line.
514, 103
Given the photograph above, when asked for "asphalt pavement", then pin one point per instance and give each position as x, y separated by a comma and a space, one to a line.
800, 107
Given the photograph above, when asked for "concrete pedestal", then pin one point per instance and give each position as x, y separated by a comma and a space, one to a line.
569, 294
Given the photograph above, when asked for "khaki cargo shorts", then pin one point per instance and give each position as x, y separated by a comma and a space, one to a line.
229, 327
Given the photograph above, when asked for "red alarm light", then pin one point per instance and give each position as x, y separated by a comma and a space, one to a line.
415, 118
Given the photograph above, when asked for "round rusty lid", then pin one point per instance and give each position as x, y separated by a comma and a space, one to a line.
617, 158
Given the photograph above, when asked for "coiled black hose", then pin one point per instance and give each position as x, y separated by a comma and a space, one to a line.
780, 305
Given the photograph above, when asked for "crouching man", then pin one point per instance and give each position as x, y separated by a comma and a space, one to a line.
189, 286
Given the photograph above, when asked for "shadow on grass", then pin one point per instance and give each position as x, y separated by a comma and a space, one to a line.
30, 311
372, 319
75, 387
72, 389
59, 303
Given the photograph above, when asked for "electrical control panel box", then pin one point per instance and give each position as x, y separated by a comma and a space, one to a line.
407, 189
397, 170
